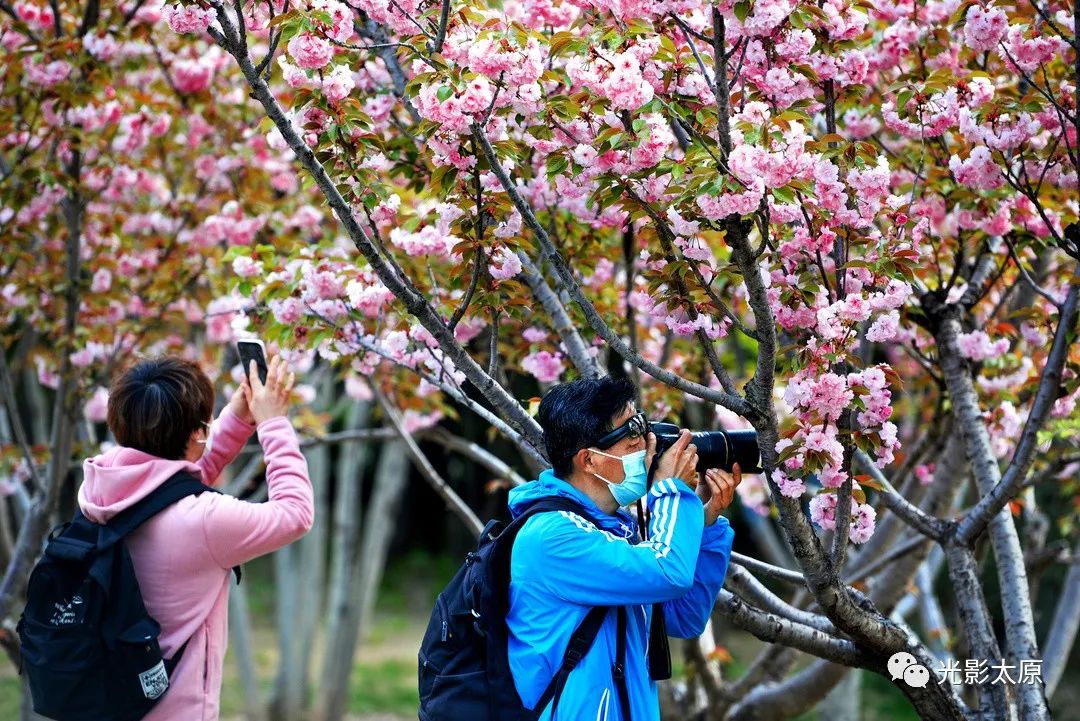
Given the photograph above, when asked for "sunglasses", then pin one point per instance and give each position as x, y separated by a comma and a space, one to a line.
637, 426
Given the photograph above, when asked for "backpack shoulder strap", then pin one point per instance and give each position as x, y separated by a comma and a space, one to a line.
180, 485
618, 670
580, 643
547, 505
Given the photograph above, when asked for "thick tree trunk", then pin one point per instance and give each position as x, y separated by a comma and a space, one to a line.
1016, 605
283, 706
1062, 634
312, 557
390, 481
340, 636
240, 647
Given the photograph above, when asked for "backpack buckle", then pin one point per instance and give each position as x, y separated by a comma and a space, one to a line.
618, 672
575, 652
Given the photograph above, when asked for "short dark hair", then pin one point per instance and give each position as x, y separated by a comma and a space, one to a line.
575, 414
155, 405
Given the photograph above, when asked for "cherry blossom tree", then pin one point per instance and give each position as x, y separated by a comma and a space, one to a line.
850, 226
855, 193
128, 164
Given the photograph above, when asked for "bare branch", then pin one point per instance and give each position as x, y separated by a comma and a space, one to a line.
768, 570
753, 591
435, 46
453, 501
475, 452
576, 348
7, 395
773, 629
1062, 633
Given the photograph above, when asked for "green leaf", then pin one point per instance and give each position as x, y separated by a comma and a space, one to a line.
444, 92
556, 164
742, 9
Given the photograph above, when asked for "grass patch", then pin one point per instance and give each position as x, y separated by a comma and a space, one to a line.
10, 696
386, 687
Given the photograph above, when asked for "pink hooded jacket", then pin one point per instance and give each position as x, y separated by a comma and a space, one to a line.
182, 556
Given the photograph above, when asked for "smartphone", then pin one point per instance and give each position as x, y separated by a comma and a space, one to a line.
253, 350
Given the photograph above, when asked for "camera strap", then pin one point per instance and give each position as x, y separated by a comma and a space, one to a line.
659, 659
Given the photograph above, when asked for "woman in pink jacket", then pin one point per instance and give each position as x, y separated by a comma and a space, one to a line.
160, 412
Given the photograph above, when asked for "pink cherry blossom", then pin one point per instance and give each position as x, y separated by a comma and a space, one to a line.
97, 407
188, 18
977, 345
247, 267
978, 170
338, 83
310, 52
102, 281
543, 365
983, 29
790, 487
192, 76
287, 311
504, 264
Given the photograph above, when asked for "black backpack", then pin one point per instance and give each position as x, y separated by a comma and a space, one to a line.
89, 648
464, 672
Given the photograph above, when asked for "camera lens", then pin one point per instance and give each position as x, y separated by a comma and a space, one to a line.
716, 449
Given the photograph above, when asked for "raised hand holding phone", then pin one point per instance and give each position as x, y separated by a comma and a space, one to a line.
253, 350
271, 399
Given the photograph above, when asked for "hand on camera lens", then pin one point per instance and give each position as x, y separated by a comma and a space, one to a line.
717, 491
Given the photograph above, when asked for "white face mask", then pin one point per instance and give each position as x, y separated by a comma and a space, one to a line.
209, 440
635, 477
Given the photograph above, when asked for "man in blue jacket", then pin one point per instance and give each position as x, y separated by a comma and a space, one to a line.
562, 565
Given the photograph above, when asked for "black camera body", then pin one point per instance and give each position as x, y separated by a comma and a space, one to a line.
716, 449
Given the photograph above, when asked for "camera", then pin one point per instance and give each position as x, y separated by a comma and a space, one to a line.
716, 449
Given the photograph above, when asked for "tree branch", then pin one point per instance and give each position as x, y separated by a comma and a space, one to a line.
732, 403
1049, 385
7, 395
773, 629
435, 46
1062, 632
768, 570
1009, 557
453, 501
576, 347
412, 300
753, 591
912, 515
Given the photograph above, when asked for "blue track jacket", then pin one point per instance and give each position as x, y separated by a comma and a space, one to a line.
561, 566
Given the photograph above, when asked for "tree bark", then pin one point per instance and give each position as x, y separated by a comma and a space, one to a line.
340, 638
390, 482
312, 557
1062, 633
241, 650
1009, 556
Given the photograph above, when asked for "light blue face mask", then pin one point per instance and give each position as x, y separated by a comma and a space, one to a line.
635, 481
